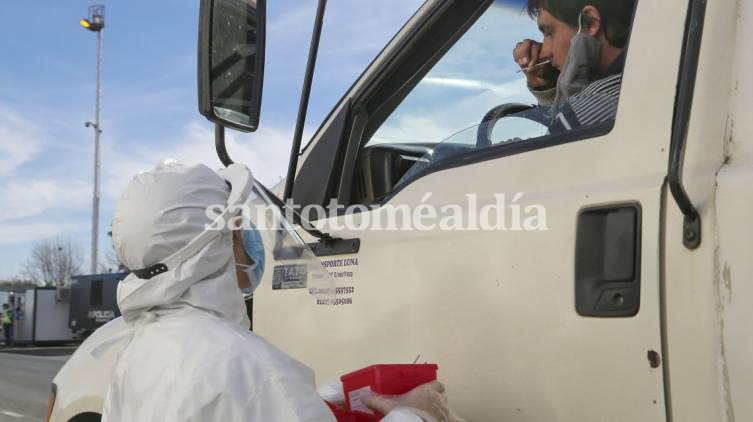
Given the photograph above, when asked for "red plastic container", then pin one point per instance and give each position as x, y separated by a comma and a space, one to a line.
343, 415
388, 379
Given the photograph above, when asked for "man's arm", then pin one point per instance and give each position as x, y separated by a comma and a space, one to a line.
545, 97
541, 79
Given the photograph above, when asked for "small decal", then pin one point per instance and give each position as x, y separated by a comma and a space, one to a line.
356, 399
289, 277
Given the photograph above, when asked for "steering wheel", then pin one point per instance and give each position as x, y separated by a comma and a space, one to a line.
484, 133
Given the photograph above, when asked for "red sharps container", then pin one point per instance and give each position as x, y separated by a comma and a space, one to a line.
385, 379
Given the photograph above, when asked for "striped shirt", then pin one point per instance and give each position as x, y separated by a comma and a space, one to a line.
596, 103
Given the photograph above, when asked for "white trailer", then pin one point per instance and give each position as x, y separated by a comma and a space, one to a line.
41, 316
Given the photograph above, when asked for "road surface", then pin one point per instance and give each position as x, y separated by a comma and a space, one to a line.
25, 377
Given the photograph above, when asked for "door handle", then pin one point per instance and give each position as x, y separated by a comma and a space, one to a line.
608, 261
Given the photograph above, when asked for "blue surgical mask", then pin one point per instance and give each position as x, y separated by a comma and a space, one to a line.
250, 271
254, 248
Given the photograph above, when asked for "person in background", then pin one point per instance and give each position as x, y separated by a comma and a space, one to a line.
189, 355
7, 320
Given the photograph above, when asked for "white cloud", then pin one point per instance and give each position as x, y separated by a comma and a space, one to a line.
19, 140
265, 152
457, 83
23, 233
512, 88
366, 26
29, 198
160, 100
28, 186
38, 198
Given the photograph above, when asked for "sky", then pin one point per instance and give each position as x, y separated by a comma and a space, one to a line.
149, 101
149, 107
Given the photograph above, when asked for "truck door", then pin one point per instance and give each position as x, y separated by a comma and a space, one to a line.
553, 314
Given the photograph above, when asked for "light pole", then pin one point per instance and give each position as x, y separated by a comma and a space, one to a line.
96, 23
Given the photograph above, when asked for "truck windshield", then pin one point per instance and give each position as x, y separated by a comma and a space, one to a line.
474, 76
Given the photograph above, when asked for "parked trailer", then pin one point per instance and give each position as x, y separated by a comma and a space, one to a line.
16, 299
40, 315
93, 301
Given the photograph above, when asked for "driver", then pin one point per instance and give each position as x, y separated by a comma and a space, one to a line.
577, 68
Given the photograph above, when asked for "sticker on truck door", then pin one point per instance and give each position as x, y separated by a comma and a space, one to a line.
340, 272
343, 272
293, 276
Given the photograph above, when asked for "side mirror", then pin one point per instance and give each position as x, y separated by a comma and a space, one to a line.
231, 61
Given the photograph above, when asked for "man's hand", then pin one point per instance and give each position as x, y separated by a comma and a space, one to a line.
526, 55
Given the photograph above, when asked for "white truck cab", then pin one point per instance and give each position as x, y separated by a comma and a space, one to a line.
627, 299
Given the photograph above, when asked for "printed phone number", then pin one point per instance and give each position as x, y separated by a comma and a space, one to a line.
335, 302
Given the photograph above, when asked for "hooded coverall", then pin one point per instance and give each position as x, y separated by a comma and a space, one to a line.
187, 353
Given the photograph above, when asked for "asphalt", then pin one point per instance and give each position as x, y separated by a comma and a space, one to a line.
25, 380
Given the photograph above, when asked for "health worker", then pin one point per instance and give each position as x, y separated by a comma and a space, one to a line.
189, 355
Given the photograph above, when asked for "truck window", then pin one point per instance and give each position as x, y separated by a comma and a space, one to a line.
475, 75
475, 98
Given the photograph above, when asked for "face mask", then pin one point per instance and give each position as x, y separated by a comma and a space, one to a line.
250, 271
580, 68
254, 248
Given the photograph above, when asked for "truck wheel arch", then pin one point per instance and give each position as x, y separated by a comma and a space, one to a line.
86, 417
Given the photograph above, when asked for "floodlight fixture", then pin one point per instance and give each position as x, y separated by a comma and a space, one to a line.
96, 20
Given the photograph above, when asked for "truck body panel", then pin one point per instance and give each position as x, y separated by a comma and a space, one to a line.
497, 307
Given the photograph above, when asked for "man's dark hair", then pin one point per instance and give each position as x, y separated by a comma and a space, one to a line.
616, 15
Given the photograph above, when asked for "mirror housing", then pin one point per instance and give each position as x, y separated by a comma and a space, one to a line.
231, 62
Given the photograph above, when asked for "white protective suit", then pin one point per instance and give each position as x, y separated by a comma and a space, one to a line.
191, 356
187, 354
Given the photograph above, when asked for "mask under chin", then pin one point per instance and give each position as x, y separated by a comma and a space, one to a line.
580, 69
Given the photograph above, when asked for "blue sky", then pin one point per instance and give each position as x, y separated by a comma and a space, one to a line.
149, 105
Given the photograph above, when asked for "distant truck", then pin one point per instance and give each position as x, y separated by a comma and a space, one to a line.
93, 302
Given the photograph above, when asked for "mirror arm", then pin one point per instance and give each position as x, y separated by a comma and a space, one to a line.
219, 144
303, 107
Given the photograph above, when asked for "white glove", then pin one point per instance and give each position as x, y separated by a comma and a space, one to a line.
426, 402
